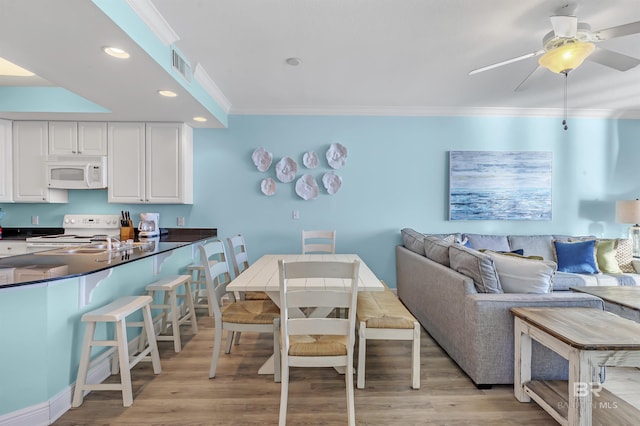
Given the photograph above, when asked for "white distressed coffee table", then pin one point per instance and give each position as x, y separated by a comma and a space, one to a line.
588, 338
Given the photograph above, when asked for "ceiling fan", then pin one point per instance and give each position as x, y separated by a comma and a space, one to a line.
570, 43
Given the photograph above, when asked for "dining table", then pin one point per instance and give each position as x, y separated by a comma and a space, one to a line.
263, 275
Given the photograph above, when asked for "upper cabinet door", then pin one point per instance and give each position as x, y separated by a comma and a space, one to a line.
92, 138
126, 163
30, 150
6, 171
63, 137
169, 163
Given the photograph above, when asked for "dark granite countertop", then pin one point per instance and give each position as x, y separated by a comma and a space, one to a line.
56, 264
24, 233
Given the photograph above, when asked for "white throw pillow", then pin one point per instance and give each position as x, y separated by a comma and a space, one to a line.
522, 275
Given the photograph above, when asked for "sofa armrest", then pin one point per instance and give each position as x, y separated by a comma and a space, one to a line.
489, 333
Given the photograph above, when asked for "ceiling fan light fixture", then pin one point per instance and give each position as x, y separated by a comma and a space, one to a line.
566, 57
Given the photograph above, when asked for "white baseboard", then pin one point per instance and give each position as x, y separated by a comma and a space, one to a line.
49, 411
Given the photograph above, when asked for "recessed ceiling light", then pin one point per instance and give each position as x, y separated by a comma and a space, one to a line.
199, 119
167, 93
10, 69
116, 52
294, 62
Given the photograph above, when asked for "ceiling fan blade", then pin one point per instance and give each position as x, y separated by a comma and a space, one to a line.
531, 79
508, 61
619, 31
613, 59
564, 26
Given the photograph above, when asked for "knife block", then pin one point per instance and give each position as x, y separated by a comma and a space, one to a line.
127, 233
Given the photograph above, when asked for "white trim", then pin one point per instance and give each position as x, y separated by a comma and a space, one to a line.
433, 111
154, 20
209, 86
31, 416
46, 413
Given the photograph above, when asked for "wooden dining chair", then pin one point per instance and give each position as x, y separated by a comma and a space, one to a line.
236, 315
318, 242
240, 262
305, 341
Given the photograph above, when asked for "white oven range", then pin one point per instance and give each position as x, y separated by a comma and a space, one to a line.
80, 229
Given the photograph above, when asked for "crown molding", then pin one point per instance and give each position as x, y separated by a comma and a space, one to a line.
212, 89
433, 111
154, 20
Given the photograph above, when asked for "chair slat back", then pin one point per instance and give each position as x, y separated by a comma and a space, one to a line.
238, 253
318, 242
297, 297
216, 271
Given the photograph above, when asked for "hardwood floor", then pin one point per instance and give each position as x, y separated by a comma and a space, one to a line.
184, 395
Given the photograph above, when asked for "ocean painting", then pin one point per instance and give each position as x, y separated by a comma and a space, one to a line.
500, 185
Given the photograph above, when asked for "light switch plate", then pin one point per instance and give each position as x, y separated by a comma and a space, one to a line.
180, 220
35, 220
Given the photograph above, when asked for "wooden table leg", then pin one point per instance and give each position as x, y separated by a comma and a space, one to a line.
580, 398
522, 360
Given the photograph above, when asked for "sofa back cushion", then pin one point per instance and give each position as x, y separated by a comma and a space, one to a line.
413, 240
477, 266
437, 250
533, 245
488, 242
522, 275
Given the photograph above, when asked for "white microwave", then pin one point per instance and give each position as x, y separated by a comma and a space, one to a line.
77, 172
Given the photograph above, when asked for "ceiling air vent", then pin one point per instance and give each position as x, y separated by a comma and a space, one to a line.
181, 65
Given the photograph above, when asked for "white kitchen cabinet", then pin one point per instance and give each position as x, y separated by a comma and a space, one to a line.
30, 150
150, 163
77, 138
6, 166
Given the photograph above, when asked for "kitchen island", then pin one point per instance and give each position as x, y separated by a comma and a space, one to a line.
40, 309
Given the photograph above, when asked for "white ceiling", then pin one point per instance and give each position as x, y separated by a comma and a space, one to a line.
409, 57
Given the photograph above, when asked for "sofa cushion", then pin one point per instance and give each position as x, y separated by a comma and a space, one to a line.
522, 275
490, 242
437, 250
577, 257
413, 240
478, 266
624, 254
533, 245
606, 257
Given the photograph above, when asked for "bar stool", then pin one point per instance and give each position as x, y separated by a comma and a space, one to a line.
199, 291
116, 312
170, 309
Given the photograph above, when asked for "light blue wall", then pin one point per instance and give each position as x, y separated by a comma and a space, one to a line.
396, 176
39, 359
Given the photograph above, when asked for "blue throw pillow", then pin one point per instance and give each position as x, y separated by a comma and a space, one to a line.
578, 257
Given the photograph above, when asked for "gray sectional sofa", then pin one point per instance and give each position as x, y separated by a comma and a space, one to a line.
471, 320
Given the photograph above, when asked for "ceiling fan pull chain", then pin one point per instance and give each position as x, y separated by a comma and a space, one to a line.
564, 121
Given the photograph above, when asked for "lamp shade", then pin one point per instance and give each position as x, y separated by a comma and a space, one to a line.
567, 57
628, 211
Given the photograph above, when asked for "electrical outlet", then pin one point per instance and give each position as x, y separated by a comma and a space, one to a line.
34, 220
180, 220
295, 214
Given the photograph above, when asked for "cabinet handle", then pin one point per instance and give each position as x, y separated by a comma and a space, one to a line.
73, 152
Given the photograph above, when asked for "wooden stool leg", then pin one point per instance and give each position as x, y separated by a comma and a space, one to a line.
188, 300
83, 369
123, 357
153, 345
175, 323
